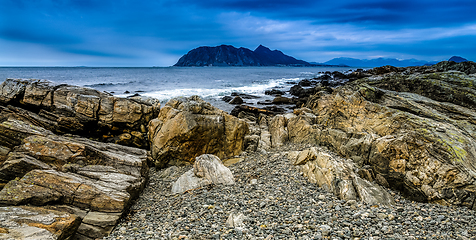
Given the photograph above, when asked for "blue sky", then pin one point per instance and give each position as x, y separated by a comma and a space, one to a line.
157, 33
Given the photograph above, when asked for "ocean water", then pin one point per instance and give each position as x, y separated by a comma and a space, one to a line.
164, 83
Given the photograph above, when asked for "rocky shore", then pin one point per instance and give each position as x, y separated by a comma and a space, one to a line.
277, 202
387, 153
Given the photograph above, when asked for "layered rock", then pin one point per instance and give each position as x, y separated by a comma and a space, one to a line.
338, 175
207, 169
70, 109
189, 127
36, 223
93, 182
407, 129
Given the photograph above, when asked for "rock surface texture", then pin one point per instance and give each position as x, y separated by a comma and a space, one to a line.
207, 169
410, 130
79, 187
189, 127
78, 110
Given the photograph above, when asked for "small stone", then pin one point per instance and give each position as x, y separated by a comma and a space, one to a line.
254, 181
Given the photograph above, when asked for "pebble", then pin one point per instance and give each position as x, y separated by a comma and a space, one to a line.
284, 205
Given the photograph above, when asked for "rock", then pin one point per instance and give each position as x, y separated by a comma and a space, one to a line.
252, 111
236, 100
416, 131
281, 100
70, 174
18, 164
41, 187
207, 169
70, 109
274, 92
236, 220
338, 176
189, 127
98, 224
278, 130
36, 223
227, 98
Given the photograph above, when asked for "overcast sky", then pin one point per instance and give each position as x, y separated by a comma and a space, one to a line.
157, 33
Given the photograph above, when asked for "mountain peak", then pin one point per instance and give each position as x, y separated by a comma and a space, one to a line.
458, 59
227, 55
262, 48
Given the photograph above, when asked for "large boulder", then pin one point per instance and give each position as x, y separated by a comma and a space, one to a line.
189, 127
417, 132
84, 111
207, 169
95, 181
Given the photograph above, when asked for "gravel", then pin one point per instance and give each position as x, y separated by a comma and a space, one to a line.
279, 203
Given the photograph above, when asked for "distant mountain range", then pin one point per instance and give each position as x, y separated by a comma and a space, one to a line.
378, 62
227, 55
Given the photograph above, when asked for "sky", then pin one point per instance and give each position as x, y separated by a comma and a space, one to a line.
158, 32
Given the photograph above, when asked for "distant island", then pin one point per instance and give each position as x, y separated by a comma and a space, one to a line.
227, 55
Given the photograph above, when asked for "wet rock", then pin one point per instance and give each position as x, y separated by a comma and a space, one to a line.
281, 100
236, 100
274, 92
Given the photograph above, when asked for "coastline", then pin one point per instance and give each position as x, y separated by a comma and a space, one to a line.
339, 151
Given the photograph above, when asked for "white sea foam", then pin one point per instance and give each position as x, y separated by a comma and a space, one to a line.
253, 89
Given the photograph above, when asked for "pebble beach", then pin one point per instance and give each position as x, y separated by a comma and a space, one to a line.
272, 200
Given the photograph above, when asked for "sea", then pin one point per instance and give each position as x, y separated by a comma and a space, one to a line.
164, 83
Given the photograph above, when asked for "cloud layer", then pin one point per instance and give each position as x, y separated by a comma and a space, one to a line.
157, 33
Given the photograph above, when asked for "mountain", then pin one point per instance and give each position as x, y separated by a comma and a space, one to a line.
227, 55
458, 59
378, 62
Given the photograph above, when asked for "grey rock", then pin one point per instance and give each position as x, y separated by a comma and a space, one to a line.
207, 169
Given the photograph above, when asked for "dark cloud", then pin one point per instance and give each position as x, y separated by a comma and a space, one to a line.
166, 29
23, 35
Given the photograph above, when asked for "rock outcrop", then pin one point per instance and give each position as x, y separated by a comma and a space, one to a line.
337, 175
414, 132
83, 186
36, 223
78, 110
189, 127
207, 169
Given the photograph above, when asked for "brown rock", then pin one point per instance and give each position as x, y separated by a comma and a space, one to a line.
37, 223
416, 131
78, 110
189, 127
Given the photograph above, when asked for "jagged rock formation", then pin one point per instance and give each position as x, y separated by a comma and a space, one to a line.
412, 129
189, 127
70, 109
226, 55
66, 175
337, 176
